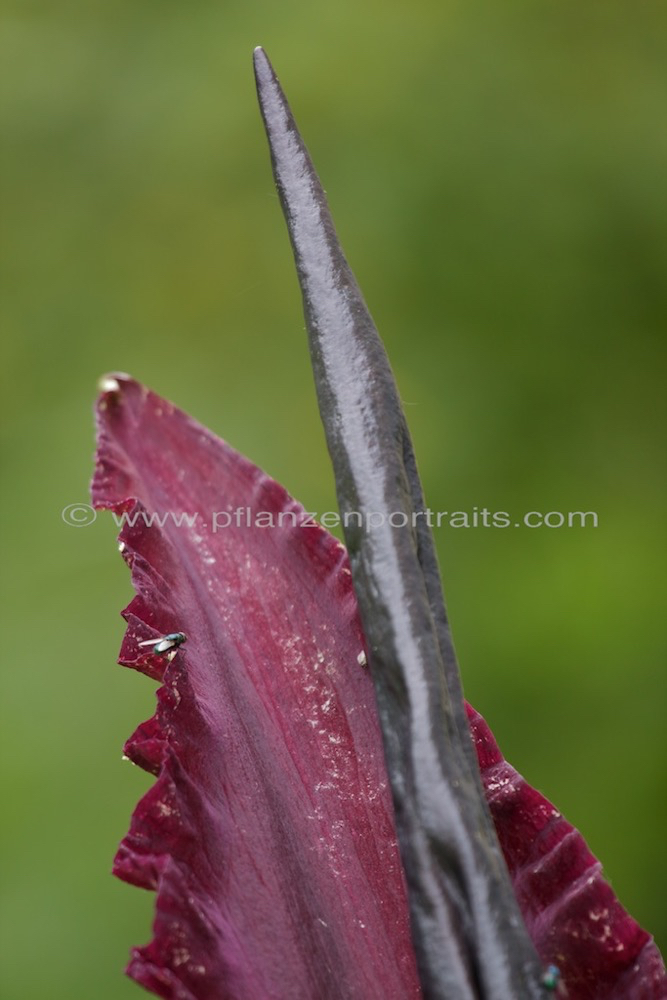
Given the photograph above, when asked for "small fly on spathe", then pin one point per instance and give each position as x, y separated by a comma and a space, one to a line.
551, 979
166, 644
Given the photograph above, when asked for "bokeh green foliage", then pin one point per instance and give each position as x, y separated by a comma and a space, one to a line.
497, 176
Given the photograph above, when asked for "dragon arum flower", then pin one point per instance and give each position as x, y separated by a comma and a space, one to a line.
318, 830
269, 834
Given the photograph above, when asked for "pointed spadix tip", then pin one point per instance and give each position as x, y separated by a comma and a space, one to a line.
272, 101
261, 60
265, 76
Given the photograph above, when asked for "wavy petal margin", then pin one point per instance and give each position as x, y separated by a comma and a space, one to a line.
269, 834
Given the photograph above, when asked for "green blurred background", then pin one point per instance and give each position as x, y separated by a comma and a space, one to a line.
497, 173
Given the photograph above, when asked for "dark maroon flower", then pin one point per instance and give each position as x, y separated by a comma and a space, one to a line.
269, 833
317, 830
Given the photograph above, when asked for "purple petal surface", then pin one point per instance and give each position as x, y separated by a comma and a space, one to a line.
573, 917
269, 834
